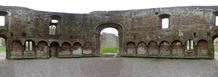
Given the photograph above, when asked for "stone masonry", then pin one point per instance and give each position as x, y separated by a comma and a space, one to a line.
38, 34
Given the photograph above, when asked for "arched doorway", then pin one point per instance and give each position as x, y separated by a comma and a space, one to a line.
119, 34
2, 48
215, 47
109, 41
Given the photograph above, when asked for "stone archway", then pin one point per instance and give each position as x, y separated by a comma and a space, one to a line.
42, 49
214, 46
165, 48
54, 49
16, 48
77, 48
177, 49
65, 49
120, 34
142, 49
153, 48
3, 46
202, 48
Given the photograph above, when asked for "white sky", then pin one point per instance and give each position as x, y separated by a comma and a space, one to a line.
86, 6
110, 30
2, 20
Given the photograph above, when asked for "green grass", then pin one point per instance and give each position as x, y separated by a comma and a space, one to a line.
216, 49
189, 47
2, 48
109, 50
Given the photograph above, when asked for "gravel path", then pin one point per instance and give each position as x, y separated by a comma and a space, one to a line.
109, 67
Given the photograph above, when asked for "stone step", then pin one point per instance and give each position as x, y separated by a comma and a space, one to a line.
109, 54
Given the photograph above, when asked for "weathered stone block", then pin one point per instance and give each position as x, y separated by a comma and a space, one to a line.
131, 51
77, 52
64, 53
87, 51
15, 53
141, 51
177, 53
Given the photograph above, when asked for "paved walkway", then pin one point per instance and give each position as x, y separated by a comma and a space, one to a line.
109, 67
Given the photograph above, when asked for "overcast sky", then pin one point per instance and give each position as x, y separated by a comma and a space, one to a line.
86, 6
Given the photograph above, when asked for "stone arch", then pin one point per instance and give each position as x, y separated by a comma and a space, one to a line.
214, 39
65, 42
120, 34
42, 40
165, 48
87, 48
54, 49
153, 48
77, 48
142, 48
177, 48
202, 48
3, 36
131, 48
16, 48
4, 45
42, 49
65, 49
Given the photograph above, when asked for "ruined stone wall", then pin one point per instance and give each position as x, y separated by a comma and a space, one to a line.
108, 40
140, 32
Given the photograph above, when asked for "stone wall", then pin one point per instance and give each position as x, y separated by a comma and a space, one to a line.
109, 40
140, 32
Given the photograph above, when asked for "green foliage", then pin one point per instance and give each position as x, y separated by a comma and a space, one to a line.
109, 50
2, 48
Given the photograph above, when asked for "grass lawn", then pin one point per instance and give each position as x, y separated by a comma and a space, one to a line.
190, 47
2, 48
216, 49
109, 50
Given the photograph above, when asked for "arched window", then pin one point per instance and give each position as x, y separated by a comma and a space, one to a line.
29, 45
189, 45
53, 24
52, 29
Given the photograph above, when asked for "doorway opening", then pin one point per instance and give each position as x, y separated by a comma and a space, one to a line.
215, 44
115, 30
2, 49
109, 41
